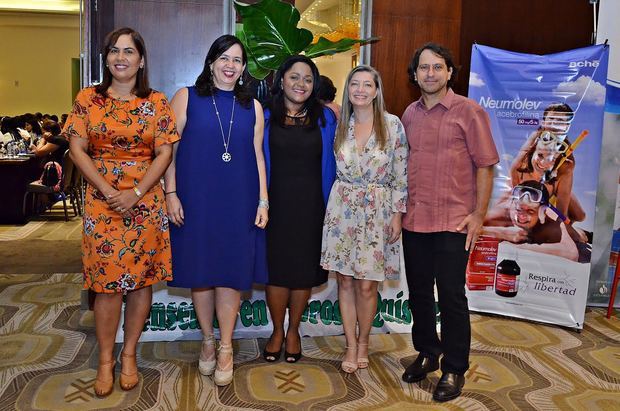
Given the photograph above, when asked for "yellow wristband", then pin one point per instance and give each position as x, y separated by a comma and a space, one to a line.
138, 192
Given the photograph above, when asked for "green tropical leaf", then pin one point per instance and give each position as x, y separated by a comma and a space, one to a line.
270, 32
254, 69
325, 47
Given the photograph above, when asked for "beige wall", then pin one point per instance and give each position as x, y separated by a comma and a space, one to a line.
35, 62
337, 68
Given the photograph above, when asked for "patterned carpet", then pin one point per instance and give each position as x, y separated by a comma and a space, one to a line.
47, 244
48, 357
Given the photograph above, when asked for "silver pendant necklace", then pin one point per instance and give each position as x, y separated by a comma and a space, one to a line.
226, 157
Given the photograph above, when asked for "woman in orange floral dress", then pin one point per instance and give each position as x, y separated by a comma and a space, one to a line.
121, 134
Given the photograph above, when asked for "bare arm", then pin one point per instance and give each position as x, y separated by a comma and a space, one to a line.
44, 149
261, 213
473, 222
123, 200
175, 208
78, 150
564, 187
520, 158
565, 248
513, 234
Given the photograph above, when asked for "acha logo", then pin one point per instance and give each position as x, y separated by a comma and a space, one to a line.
584, 63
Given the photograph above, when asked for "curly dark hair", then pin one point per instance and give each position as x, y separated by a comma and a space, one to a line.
312, 105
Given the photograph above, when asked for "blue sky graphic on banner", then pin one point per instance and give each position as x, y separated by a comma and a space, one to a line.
546, 115
515, 89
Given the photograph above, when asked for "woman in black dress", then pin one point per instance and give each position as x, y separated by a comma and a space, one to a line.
298, 146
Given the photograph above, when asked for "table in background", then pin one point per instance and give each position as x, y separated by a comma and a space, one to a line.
15, 175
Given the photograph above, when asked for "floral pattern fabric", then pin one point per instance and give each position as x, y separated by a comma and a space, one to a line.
370, 187
121, 254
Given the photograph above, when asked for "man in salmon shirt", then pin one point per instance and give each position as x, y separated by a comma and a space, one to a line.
450, 178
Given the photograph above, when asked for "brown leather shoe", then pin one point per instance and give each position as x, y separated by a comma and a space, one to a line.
420, 367
449, 387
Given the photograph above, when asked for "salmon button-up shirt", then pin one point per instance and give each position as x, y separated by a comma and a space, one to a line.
446, 146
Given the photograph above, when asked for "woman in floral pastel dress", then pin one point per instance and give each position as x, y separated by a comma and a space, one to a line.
121, 134
366, 203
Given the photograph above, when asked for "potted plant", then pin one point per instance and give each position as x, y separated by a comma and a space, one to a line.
269, 32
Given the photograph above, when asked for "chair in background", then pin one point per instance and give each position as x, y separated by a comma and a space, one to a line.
73, 187
67, 188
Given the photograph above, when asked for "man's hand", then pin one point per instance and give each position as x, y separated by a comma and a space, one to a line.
473, 222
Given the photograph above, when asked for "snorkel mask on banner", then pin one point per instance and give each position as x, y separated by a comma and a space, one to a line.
527, 197
558, 122
548, 148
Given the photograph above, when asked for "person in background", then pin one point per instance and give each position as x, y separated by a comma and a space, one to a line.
63, 120
298, 146
218, 241
327, 94
52, 145
363, 218
33, 127
451, 160
121, 133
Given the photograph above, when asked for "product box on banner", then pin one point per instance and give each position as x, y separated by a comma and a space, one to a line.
551, 289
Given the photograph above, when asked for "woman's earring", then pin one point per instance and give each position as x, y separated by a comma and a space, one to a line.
240, 81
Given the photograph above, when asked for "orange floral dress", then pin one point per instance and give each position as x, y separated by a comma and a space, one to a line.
122, 254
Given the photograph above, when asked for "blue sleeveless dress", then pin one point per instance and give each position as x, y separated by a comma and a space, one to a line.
219, 245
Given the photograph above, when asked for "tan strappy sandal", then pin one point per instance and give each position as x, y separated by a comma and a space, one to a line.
348, 366
128, 381
362, 362
104, 387
224, 376
206, 366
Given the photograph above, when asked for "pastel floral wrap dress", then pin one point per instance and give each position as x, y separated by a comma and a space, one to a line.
122, 254
370, 187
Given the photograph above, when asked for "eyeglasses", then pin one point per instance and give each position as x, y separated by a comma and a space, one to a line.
436, 67
527, 194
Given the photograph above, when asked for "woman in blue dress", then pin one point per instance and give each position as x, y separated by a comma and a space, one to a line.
216, 193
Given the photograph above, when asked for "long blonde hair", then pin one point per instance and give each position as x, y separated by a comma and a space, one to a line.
379, 125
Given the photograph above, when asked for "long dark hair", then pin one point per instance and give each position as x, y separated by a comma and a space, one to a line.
526, 163
312, 105
204, 83
142, 88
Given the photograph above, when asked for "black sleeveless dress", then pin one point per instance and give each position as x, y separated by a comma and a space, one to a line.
296, 207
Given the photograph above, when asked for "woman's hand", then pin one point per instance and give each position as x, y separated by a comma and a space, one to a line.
262, 215
175, 209
395, 228
122, 201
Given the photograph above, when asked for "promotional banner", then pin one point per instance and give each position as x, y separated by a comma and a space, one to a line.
608, 197
173, 317
546, 112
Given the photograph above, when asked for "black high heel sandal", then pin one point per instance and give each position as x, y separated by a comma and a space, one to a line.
291, 358
271, 356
